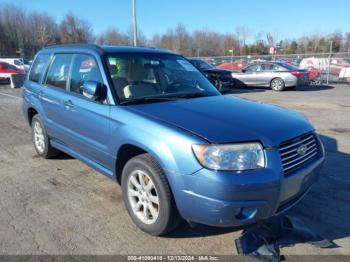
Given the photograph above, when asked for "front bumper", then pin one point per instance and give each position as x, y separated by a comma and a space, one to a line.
234, 199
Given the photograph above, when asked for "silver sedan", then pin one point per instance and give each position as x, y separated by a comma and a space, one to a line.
276, 75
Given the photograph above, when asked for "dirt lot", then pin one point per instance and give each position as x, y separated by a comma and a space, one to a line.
64, 207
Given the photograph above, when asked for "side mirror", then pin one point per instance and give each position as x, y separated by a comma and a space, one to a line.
243, 70
94, 90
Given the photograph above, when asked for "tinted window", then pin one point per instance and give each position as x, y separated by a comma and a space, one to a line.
269, 67
252, 68
38, 67
200, 64
84, 69
59, 70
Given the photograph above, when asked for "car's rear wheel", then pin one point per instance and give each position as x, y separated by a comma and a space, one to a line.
277, 84
147, 196
41, 140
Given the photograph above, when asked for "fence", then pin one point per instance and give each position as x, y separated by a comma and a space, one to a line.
323, 68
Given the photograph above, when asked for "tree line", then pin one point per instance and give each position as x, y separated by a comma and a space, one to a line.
24, 33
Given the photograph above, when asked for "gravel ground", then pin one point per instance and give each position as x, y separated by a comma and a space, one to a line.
64, 207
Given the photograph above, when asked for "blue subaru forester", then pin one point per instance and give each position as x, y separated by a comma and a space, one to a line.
151, 121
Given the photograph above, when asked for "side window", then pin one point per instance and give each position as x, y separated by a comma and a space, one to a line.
277, 68
59, 70
266, 67
84, 69
252, 68
38, 67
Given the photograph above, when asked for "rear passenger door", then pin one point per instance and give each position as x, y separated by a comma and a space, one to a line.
265, 74
87, 120
54, 96
249, 75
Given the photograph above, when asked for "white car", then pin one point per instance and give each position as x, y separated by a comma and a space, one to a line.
20, 63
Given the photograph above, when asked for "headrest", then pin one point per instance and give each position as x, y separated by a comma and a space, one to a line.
136, 72
113, 69
64, 70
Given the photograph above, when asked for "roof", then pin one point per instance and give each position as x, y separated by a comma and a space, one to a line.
103, 49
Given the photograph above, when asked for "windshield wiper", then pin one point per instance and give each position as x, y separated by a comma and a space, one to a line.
193, 95
147, 100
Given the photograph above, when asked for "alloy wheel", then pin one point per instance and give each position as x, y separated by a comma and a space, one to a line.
277, 84
39, 138
143, 197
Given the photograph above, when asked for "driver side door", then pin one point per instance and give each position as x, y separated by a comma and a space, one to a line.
249, 75
88, 120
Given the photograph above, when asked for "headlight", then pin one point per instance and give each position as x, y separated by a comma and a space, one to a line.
231, 156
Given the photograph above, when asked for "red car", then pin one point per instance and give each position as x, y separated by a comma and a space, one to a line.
234, 66
6, 68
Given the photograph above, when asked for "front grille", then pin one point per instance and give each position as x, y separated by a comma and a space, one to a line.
298, 152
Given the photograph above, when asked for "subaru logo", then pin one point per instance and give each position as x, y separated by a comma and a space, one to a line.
302, 150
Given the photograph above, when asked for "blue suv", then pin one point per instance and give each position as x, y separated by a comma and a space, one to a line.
150, 120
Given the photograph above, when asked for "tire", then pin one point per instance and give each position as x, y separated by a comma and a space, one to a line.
277, 84
41, 140
137, 198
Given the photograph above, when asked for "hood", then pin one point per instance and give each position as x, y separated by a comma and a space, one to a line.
226, 119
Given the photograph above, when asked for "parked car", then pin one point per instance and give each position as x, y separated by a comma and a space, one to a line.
276, 75
19, 63
221, 78
233, 66
318, 68
6, 68
150, 120
345, 75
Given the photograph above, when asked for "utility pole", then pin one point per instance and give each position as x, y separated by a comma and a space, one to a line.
329, 61
134, 21
231, 51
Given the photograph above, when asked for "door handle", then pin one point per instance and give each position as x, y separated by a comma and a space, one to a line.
68, 104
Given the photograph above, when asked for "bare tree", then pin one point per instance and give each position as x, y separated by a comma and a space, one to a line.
112, 36
229, 42
14, 30
182, 41
242, 33
208, 42
75, 30
30, 31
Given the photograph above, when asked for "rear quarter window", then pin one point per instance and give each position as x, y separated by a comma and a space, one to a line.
38, 67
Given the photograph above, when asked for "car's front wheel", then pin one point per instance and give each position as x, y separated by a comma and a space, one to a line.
41, 140
277, 84
147, 196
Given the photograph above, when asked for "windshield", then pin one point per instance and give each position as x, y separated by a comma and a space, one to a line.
203, 65
140, 77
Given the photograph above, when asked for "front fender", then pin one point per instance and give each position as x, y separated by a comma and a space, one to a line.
169, 145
